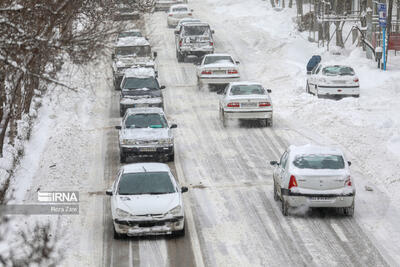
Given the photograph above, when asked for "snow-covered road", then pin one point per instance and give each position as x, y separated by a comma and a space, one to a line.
232, 217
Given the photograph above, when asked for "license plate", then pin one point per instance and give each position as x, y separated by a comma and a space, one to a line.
148, 149
248, 104
321, 199
219, 72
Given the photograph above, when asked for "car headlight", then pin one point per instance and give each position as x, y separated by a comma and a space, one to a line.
121, 213
322, 80
176, 211
167, 141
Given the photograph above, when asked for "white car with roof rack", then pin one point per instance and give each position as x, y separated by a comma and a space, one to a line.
131, 52
333, 80
146, 132
146, 199
217, 69
246, 101
314, 176
176, 13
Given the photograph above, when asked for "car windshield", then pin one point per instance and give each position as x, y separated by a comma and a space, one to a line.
129, 34
145, 183
188, 20
196, 30
180, 9
146, 120
318, 162
139, 83
140, 51
337, 70
253, 89
217, 59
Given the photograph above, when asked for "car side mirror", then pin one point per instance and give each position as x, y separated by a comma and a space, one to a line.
118, 127
155, 54
109, 192
162, 87
191, 10
269, 90
176, 31
349, 162
113, 56
173, 126
156, 73
237, 62
212, 31
184, 189
273, 163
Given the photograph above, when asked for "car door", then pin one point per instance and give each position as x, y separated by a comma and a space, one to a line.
281, 171
115, 191
314, 78
224, 98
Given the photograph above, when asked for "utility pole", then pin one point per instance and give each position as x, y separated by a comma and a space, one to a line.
389, 27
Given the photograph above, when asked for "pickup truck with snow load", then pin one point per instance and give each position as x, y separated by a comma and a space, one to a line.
140, 88
131, 52
194, 39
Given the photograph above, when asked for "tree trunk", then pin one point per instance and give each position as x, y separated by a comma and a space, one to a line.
272, 3
389, 27
290, 3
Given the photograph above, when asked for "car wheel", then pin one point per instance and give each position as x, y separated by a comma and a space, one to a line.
308, 88
199, 83
270, 122
349, 211
122, 158
121, 112
179, 56
356, 96
285, 208
179, 233
117, 235
223, 119
171, 157
276, 197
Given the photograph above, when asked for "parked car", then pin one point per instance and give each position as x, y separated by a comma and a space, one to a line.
126, 12
314, 176
164, 5
146, 199
333, 80
217, 69
131, 52
146, 132
246, 101
194, 39
314, 61
140, 88
183, 21
129, 33
176, 13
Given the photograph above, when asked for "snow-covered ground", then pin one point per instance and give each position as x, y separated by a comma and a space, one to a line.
70, 140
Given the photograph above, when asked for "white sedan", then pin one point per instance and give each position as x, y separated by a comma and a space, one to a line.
314, 176
247, 101
217, 69
333, 80
146, 200
176, 13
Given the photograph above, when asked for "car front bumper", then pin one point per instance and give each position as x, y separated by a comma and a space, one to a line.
338, 90
147, 151
247, 115
150, 227
219, 80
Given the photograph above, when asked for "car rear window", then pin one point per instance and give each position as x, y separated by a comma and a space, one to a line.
247, 90
180, 9
140, 51
318, 162
196, 30
218, 59
145, 120
337, 70
145, 183
129, 34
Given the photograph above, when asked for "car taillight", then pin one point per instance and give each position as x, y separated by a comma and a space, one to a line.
180, 43
211, 43
232, 72
355, 80
206, 72
190, 14
292, 182
348, 182
264, 104
233, 105
170, 15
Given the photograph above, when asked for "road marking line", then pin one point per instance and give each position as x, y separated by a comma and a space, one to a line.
198, 257
339, 232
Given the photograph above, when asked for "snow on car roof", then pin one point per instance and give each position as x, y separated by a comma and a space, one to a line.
218, 55
178, 6
313, 149
244, 83
144, 110
145, 167
132, 41
184, 20
190, 23
140, 72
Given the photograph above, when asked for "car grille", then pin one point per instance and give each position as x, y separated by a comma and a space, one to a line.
151, 224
